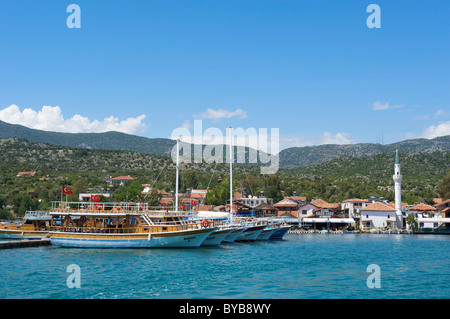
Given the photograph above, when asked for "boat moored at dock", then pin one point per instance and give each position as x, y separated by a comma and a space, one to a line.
106, 226
34, 225
216, 237
280, 232
267, 233
251, 233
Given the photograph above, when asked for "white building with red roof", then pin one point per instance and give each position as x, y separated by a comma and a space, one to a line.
428, 216
378, 216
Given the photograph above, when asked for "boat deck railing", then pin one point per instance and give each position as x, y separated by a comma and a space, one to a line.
79, 208
37, 215
124, 229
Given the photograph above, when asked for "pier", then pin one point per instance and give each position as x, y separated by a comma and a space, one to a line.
24, 243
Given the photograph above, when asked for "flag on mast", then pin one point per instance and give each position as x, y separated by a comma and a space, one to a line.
66, 190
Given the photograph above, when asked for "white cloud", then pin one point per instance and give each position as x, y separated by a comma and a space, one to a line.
220, 114
377, 106
287, 141
433, 131
51, 119
187, 125
338, 138
440, 112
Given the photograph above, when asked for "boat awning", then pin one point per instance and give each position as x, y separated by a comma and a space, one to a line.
329, 220
433, 220
211, 214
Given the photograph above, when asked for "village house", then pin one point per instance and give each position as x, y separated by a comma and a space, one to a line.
323, 204
287, 208
198, 195
306, 210
352, 207
120, 180
301, 200
253, 201
86, 197
266, 210
430, 217
379, 216
327, 218
443, 206
31, 174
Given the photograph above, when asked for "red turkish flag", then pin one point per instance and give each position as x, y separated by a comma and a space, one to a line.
66, 190
95, 198
182, 206
193, 203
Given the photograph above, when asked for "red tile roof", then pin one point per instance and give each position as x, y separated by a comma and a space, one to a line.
27, 173
355, 200
377, 206
122, 178
422, 206
299, 198
323, 204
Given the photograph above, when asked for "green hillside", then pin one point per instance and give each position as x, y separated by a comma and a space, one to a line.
107, 140
87, 169
289, 158
309, 155
350, 177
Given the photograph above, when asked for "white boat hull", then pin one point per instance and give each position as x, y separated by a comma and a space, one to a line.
231, 237
17, 234
266, 233
251, 233
179, 239
216, 238
279, 234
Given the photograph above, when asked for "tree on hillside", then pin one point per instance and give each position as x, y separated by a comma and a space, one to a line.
220, 194
444, 187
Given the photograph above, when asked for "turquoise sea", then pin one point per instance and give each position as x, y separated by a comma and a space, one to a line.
302, 266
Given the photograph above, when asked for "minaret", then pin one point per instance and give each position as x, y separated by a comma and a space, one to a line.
398, 191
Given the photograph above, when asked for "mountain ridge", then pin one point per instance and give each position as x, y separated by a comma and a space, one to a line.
289, 158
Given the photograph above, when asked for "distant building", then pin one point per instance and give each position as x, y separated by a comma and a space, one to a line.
86, 197
287, 208
266, 210
121, 179
323, 204
306, 210
254, 201
199, 195
428, 216
378, 215
443, 206
326, 218
301, 200
26, 174
352, 207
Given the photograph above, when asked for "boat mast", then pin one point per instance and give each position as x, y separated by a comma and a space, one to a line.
176, 181
231, 175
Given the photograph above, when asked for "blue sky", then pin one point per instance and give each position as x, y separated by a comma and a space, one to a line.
313, 69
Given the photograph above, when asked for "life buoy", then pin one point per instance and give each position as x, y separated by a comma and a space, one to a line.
91, 208
205, 223
117, 209
227, 207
